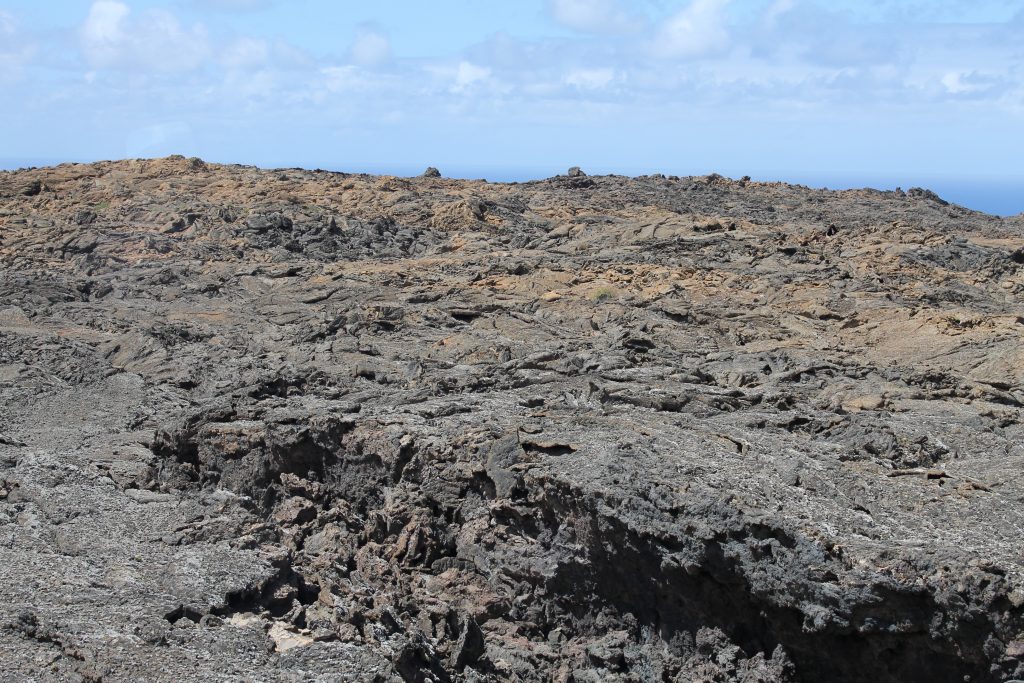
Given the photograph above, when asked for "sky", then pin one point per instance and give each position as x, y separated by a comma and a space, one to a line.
838, 93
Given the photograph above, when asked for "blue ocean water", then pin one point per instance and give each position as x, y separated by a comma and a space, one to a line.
997, 196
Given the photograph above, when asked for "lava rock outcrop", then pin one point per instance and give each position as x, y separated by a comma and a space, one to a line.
296, 425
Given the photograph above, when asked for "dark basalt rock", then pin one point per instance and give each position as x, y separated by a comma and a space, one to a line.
30, 188
267, 222
295, 425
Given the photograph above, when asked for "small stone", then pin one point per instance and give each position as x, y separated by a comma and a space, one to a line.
265, 223
470, 645
295, 510
210, 621
31, 188
502, 455
285, 638
865, 403
576, 172
431, 172
347, 633
177, 225
297, 486
85, 217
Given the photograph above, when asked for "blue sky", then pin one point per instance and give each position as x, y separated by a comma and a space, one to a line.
824, 92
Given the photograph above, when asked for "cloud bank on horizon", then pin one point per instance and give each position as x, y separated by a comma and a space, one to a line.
875, 86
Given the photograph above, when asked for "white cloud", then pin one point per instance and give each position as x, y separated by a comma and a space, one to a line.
969, 83
370, 47
590, 79
825, 36
112, 38
955, 84
16, 51
103, 33
245, 53
6, 24
697, 30
775, 11
468, 74
348, 78
797, 57
594, 16
254, 87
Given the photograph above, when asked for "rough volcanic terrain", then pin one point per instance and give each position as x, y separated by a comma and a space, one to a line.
298, 426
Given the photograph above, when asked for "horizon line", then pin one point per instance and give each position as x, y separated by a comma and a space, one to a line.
830, 181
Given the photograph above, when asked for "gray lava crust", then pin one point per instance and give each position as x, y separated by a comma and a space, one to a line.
296, 426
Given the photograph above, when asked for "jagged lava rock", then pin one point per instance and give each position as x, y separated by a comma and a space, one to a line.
298, 425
